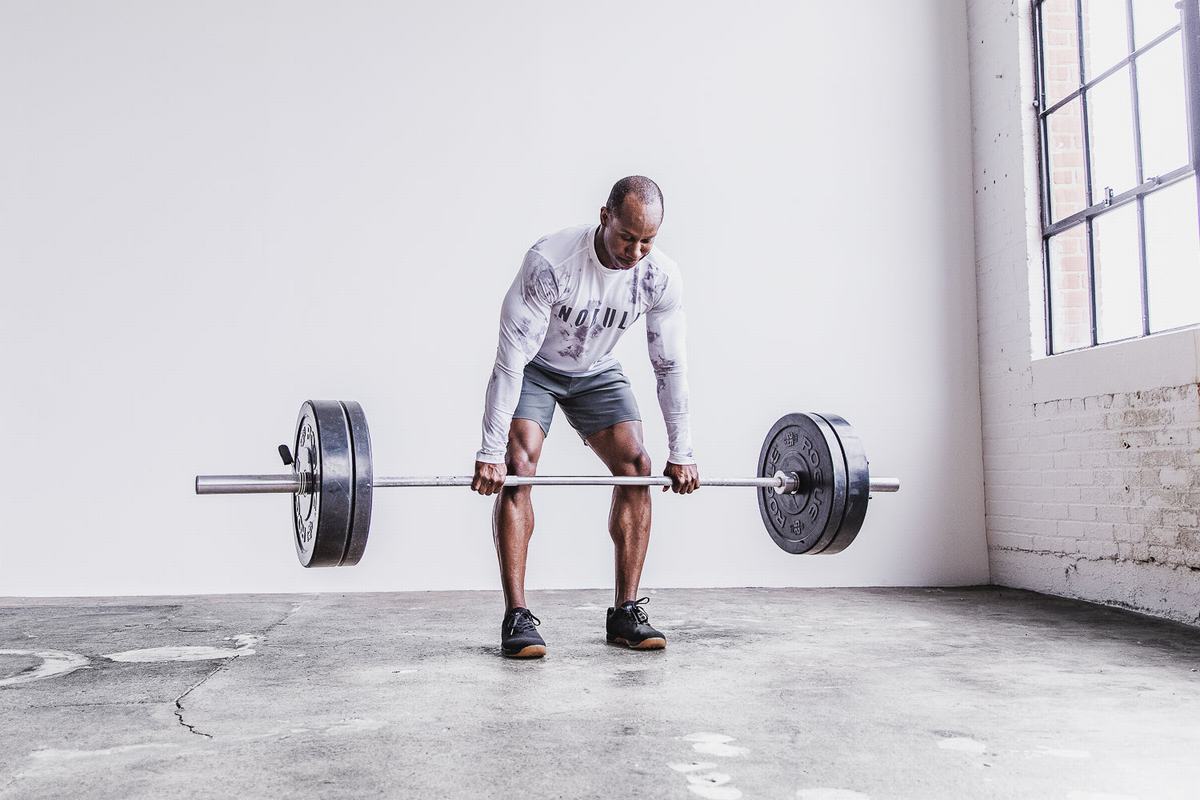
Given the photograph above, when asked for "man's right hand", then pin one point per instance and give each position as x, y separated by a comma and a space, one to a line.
489, 478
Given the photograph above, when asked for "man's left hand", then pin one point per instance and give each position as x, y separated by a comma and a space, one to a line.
685, 478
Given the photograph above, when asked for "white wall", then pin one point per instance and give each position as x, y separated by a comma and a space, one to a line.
212, 211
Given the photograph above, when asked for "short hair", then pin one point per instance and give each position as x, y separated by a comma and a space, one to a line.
640, 187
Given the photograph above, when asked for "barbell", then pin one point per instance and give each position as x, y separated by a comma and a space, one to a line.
813, 483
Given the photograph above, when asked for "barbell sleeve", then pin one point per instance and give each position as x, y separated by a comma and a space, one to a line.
248, 484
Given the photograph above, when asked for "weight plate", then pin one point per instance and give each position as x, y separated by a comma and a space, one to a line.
360, 447
808, 520
321, 517
858, 476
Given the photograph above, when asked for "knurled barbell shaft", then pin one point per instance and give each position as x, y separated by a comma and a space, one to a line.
289, 483
572, 480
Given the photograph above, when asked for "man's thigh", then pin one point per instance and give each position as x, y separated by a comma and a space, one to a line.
539, 392
620, 446
599, 402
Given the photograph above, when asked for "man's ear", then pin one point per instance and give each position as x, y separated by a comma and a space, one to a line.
603, 216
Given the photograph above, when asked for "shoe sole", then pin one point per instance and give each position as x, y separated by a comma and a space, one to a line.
529, 651
654, 643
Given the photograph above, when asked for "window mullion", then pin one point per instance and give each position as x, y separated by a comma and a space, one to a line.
1191, 59
1043, 124
1087, 173
1044, 149
1143, 274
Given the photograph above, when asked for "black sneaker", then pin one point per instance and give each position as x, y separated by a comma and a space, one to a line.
518, 635
629, 625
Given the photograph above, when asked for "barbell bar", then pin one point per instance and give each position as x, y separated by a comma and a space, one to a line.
813, 483
289, 484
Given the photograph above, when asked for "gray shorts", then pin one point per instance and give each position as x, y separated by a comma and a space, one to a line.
591, 403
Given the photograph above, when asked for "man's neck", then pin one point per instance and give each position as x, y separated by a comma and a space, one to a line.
606, 260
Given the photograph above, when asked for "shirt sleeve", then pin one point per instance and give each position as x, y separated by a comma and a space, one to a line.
666, 339
524, 317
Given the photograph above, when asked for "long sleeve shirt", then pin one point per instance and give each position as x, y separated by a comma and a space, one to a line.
566, 311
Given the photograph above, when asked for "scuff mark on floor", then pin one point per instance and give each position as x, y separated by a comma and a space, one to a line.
54, 663
962, 744
715, 744
52, 754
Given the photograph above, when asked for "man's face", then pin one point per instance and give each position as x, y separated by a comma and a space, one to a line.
629, 235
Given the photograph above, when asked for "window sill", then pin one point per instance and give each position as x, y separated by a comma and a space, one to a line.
1163, 359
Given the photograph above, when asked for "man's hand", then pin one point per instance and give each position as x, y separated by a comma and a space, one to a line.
489, 478
685, 478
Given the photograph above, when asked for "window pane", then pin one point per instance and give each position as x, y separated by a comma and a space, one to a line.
1118, 270
1064, 146
1110, 130
1173, 256
1163, 107
1151, 18
1070, 314
1060, 49
1105, 37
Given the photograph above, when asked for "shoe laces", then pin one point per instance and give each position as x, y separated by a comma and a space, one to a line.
635, 610
523, 620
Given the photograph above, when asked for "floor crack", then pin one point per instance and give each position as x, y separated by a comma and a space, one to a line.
225, 665
193, 687
290, 614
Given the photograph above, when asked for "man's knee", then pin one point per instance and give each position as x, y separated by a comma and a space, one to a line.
520, 462
635, 463
524, 448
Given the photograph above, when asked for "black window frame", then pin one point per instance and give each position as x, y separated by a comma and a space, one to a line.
1189, 30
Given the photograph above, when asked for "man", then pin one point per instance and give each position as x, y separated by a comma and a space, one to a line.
577, 292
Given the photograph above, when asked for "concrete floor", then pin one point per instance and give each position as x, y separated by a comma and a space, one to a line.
796, 693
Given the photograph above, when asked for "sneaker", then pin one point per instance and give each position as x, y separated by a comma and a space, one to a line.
629, 625
518, 635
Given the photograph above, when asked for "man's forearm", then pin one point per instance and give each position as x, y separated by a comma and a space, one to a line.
503, 393
673, 400
524, 315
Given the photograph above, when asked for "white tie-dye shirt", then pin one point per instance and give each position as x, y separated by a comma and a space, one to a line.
565, 311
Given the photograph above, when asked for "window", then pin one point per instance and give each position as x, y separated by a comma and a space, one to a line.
1119, 120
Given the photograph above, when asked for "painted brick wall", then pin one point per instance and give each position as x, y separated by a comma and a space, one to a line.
1089, 497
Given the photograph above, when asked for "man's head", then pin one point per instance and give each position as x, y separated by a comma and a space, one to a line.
629, 221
